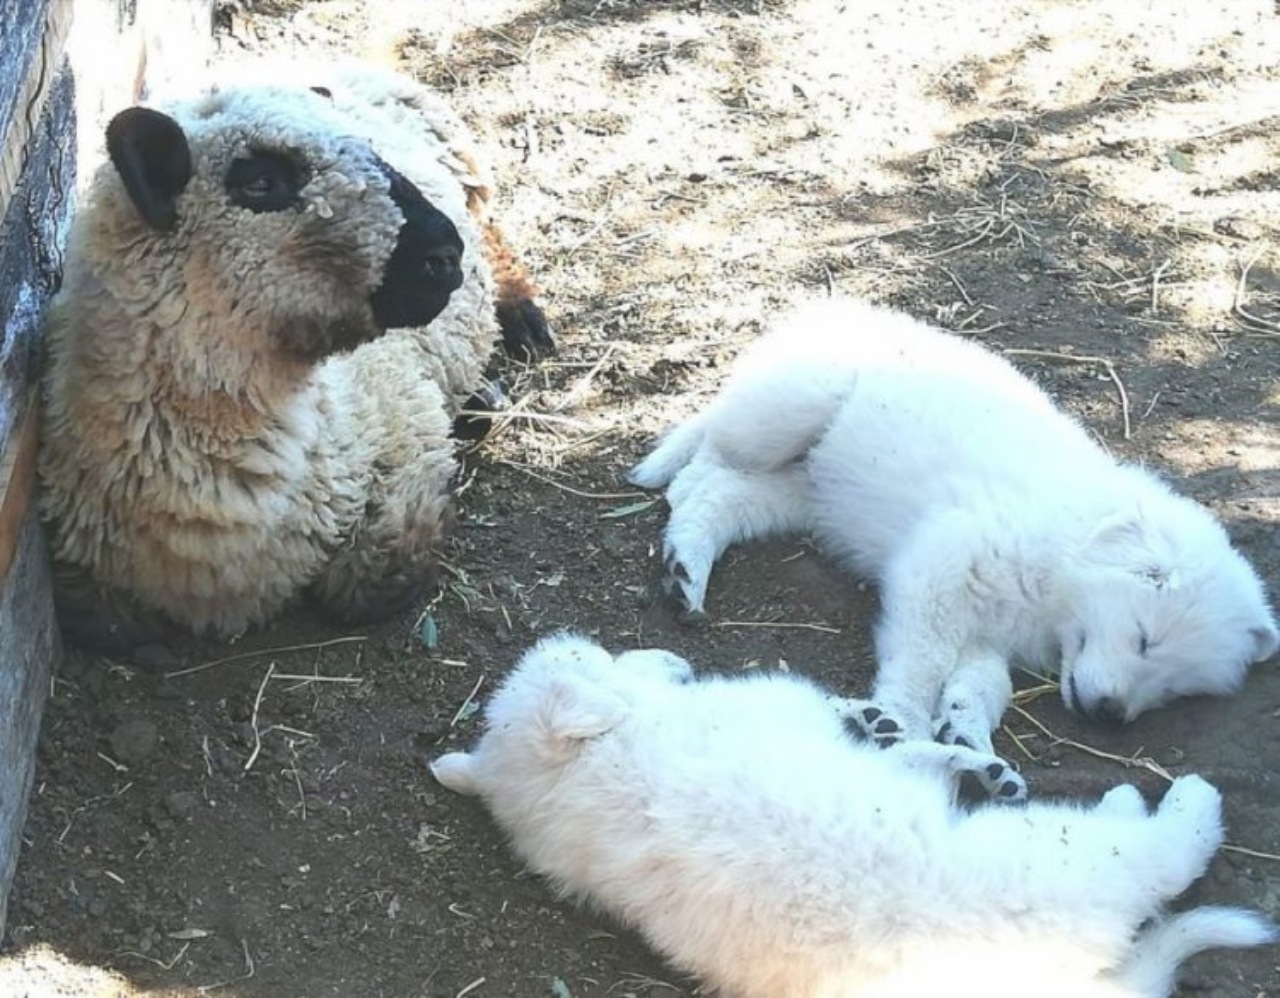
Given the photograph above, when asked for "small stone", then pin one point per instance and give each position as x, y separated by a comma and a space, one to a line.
1239, 228
181, 804
133, 740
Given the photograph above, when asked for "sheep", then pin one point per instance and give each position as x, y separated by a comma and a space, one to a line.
228, 425
754, 835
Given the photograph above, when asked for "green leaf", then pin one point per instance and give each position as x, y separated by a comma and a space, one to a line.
428, 632
627, 510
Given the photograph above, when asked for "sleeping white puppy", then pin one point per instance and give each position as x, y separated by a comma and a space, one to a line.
756, 844
997, 528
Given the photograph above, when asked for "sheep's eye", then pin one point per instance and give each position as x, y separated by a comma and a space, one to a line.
1143, 643
1083, 640
265, 181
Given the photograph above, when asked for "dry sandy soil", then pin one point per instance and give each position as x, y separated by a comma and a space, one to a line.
1091, 185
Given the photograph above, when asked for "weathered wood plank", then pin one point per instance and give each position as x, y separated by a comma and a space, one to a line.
31, 237
58, 87
38, 153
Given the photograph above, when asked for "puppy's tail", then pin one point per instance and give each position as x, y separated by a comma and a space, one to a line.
673, 452
1152, 970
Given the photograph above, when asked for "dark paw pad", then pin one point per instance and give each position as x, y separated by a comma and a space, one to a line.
947, 736
526, 335
476, 418
1002, 783
883, 730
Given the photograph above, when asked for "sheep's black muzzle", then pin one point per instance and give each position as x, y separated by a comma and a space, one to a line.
425, 267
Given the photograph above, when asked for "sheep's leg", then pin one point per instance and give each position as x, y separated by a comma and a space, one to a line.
713, 506
475, 419
526, 334
100, 619
973, 700
391, 558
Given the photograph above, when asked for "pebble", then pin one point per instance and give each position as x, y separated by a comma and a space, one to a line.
133, 740
181, 804
1239, 228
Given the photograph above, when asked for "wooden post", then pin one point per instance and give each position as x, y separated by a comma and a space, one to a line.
65, 61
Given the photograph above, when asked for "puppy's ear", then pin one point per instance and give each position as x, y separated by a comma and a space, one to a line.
1116, 536
1265, 640
1126, 541
150, 152
576, 710
457, 772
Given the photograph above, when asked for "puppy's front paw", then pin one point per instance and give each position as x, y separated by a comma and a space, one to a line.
870, 722
999, 781
953, 732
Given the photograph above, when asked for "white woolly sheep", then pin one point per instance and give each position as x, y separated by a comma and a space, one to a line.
738, 824
227, 422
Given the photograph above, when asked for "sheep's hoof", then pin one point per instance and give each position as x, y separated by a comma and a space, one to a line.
526, 334
377, 600
108, 625
476, 418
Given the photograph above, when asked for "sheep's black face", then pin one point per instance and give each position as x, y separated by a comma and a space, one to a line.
425, 266
300, 240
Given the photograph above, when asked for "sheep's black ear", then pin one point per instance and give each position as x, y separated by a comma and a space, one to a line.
150, 152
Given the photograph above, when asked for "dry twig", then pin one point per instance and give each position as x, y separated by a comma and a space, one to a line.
1251, 322
1133, 762
777, 623
1106, 365
263, 652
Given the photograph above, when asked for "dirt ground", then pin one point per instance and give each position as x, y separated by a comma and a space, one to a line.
1091, 185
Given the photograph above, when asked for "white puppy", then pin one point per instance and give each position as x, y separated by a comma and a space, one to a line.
995, 525
753, 842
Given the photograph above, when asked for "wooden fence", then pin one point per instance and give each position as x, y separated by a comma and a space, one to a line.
65, 65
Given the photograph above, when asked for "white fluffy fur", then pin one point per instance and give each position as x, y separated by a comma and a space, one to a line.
997, 528
755, 844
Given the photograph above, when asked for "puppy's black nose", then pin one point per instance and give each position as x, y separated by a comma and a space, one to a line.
1108, 710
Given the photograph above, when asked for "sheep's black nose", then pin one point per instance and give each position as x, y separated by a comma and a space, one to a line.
443, 262
1108, 710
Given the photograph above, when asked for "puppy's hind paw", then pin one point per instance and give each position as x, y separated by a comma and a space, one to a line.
679, 586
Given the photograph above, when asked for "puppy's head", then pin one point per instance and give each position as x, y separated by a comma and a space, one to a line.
1160, 606
564, 692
